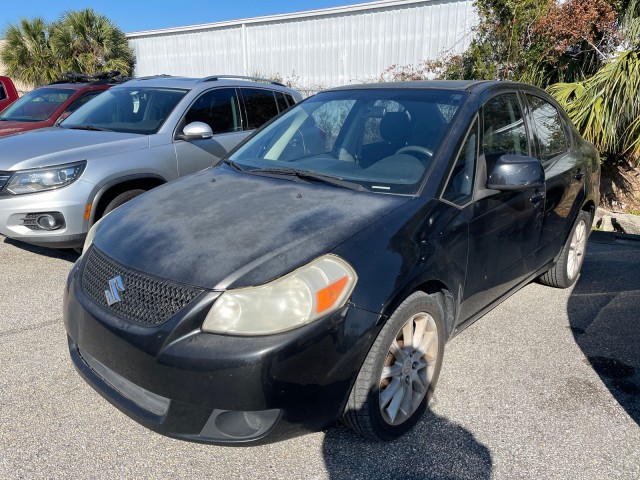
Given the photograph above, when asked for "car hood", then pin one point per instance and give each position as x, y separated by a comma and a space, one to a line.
218, 229
10, 127
55, 146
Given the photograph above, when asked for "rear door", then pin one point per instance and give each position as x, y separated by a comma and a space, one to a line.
564, 173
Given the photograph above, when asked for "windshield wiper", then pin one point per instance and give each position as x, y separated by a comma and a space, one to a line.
233, 165
93, 128
308, 175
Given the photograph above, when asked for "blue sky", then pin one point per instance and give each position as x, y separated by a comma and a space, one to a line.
134, 16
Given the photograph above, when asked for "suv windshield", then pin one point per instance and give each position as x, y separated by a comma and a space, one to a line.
380, 139
128, 110
37, 105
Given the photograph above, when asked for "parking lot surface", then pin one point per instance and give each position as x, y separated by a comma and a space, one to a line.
547, 385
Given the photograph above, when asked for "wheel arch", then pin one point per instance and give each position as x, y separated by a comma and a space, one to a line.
115, 187
433, 287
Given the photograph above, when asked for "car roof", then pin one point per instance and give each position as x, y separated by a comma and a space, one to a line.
462, 85
191, 83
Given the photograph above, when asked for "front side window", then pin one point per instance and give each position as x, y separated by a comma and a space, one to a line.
217, 108
548, 128
382, 140
459, 189
3, 95
504, 129
128, 110
37, 105
261, 106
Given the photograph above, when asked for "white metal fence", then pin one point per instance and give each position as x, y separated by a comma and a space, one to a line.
314, 49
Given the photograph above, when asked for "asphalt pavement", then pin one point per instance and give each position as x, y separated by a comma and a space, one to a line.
545, 386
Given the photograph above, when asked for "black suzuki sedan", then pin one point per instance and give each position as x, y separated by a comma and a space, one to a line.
317, 272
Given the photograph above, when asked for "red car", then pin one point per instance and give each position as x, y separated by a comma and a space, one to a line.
8, 92
47, 106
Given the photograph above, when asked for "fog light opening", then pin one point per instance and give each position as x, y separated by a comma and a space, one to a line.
50, 221
237, 425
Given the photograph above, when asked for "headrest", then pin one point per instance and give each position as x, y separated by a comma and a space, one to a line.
395, 127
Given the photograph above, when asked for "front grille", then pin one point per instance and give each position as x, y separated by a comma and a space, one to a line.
145, 299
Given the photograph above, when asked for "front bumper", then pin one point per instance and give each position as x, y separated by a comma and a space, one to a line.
187, 384
70, 201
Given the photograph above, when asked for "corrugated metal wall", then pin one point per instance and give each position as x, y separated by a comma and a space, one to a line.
313, 49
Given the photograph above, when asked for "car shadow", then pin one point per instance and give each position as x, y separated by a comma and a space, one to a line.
63, 254
604, 316
434, 448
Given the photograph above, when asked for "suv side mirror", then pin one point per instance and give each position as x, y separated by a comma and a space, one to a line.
196, 131
516, 172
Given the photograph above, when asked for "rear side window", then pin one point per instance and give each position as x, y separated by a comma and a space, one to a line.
261, 106
548, 128
3, 94
282, 102
290, 99
217, 108
504, 130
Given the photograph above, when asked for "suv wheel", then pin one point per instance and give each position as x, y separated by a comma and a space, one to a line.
122, 199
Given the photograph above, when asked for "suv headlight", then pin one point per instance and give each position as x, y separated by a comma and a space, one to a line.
298, 298
43, 179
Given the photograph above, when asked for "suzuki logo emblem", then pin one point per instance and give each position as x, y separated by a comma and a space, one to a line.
115, 287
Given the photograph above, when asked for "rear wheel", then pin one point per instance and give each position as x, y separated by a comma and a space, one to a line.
567, 269
400, 372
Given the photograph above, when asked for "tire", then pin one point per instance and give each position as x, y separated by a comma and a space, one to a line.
408, 375
567, 269
121, 199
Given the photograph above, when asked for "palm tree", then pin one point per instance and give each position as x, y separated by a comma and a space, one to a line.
87, 42
26, 53
606, 107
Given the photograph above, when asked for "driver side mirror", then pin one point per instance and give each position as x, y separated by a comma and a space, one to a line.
516, 172
196, 131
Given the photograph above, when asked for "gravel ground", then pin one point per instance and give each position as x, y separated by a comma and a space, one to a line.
547, 385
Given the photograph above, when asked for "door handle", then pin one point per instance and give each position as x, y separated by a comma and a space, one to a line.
579, 175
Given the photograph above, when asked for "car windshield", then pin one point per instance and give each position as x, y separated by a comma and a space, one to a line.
382, 140
37, 105
127, 110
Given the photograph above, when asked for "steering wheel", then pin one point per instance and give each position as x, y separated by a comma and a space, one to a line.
415, 148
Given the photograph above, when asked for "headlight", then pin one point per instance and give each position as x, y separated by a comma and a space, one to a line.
300, 297
42, 179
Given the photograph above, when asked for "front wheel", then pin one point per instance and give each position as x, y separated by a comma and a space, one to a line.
400, 372
566, 270
122, 199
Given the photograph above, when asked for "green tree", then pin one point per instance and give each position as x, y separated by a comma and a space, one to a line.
606, 106
27, 55
87, 42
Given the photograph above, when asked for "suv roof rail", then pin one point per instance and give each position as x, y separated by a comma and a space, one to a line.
151, 77
214, 78
111, 76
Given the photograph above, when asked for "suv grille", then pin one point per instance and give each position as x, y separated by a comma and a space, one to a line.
4, 178
144, 299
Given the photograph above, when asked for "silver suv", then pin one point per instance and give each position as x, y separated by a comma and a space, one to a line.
56, 182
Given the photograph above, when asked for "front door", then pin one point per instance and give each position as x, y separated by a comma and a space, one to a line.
219, 108
504, 226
